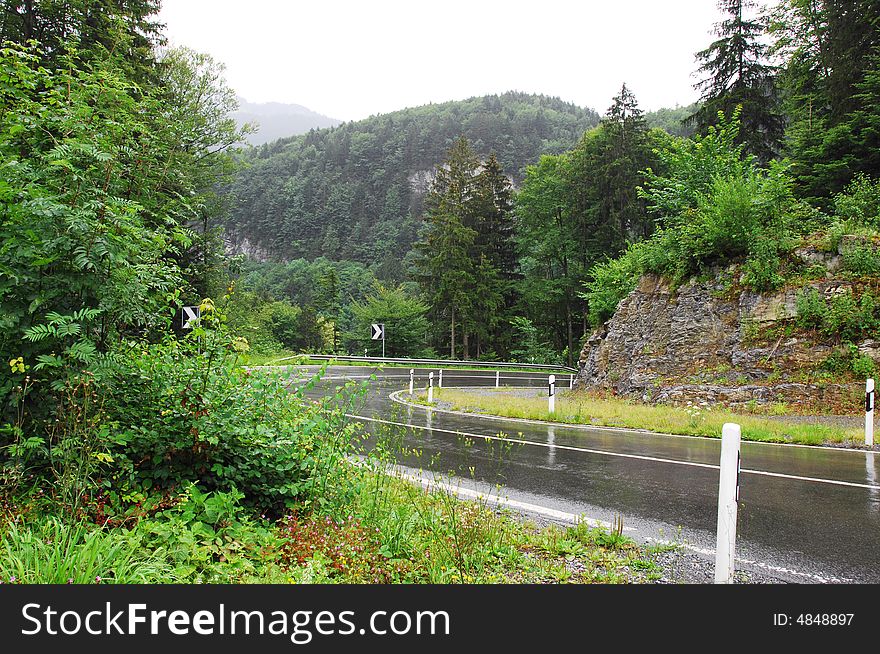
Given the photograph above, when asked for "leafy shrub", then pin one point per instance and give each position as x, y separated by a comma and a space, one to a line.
184, 417
611, 281
762, 268
843, 317
211, 538
862, 258
811, 309
860, 202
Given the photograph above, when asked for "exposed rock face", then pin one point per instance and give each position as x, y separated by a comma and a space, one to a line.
704, 342
234, 246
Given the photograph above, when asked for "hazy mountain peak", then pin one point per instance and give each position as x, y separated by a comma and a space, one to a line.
279, 120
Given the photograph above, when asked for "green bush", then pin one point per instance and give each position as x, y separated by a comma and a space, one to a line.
811, 309
860, 202
843, 317
762, 268
861, 258
185, 417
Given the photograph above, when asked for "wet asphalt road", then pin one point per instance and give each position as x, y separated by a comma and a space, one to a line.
805, 515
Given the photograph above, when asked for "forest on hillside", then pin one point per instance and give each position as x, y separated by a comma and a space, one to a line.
784, 137
355, 192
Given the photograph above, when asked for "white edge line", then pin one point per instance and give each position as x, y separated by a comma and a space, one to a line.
639, 457
575, 519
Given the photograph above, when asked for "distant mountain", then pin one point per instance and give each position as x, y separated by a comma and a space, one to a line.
355, 192
277, 120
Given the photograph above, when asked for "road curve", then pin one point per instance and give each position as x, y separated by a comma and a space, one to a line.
806, 514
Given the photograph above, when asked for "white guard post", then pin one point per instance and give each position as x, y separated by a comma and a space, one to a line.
430, 387
570, 382
411, 380
551, 407
869, 413
440, 381
497, 378
728, 496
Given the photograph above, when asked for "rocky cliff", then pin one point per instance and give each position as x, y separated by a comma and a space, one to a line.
710, 341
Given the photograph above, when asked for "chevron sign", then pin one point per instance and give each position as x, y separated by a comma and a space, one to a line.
191, 317
378, 331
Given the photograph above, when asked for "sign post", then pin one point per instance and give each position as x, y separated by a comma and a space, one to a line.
869, 413
551, 407
728, 496
378, 333
430, 387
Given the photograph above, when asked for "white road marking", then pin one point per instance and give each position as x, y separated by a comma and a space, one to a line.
640, 457
572, 518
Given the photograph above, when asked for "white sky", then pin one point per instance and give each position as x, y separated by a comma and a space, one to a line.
350, 59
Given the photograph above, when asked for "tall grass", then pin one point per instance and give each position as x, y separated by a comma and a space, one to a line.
56, 552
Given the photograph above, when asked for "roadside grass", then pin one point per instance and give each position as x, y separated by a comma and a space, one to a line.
399, 532
394, 531
696, 420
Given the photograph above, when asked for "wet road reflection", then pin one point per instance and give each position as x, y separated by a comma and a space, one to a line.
827, 525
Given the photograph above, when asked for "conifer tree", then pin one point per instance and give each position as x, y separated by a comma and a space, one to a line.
735, 72
829, 79
445, 268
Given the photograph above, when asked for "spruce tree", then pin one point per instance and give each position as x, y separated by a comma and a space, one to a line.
829, 80
445, 268
735, 72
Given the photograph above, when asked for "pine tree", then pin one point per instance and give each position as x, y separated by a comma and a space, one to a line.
496, 250
445, 268
831, 93
625, 152
736, 72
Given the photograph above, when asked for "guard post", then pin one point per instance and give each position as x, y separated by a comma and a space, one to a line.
728, 497
869, 413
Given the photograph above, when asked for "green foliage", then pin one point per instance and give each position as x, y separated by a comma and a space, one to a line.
97, 200
530, 348
715, 207
348, 192
831, 86
860, 202
737, 76
673, 120
844, 316
611, 281
55, 551
210, 538
180, 415
404, 320
464, 260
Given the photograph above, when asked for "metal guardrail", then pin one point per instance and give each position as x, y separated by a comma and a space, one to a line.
432, 362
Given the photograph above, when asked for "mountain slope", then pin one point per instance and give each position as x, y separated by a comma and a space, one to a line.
276, 120
355, 191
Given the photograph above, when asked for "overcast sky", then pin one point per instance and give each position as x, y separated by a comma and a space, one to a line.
350, 59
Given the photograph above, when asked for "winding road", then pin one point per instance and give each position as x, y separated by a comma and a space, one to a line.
806, 514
